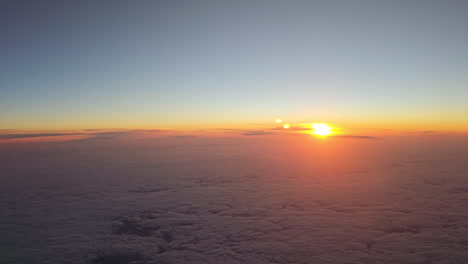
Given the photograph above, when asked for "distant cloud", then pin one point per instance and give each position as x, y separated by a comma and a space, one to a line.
428, 132
185, 136
152, 130
256, 133
9, 135
13, 136
108, 135
433, 133
95, 130
226, 129
356, 137
140, 133
292, 128
244, 132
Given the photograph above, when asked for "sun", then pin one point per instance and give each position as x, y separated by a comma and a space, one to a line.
321, 129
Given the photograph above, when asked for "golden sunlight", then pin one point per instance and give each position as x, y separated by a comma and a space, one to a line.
278, 120
286, 126
321, 129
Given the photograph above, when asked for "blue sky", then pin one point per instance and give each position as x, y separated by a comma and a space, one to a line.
85, 64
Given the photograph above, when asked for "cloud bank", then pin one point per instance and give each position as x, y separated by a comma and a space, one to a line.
235, 200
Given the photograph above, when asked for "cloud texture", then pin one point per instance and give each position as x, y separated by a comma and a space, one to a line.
235, 200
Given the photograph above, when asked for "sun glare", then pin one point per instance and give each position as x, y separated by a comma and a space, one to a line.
286, 126
321, 129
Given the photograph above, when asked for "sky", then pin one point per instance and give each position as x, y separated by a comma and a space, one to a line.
241, 131
197, 64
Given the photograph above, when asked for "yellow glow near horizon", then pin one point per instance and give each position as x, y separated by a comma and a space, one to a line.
278, 120
321, 129
286, 126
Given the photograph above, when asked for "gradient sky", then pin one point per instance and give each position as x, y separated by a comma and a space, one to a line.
165, 64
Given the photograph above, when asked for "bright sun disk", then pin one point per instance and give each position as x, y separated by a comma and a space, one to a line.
321, 129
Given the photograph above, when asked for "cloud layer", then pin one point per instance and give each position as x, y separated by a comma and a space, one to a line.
235, 200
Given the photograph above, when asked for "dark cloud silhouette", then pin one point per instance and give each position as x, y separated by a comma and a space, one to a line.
356, 137
153, 130
112, 133
256, 133
428, 132
184, 136
105, 134
109, 135
226, 129
96, 129
13, 136
433, 133
244, 132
